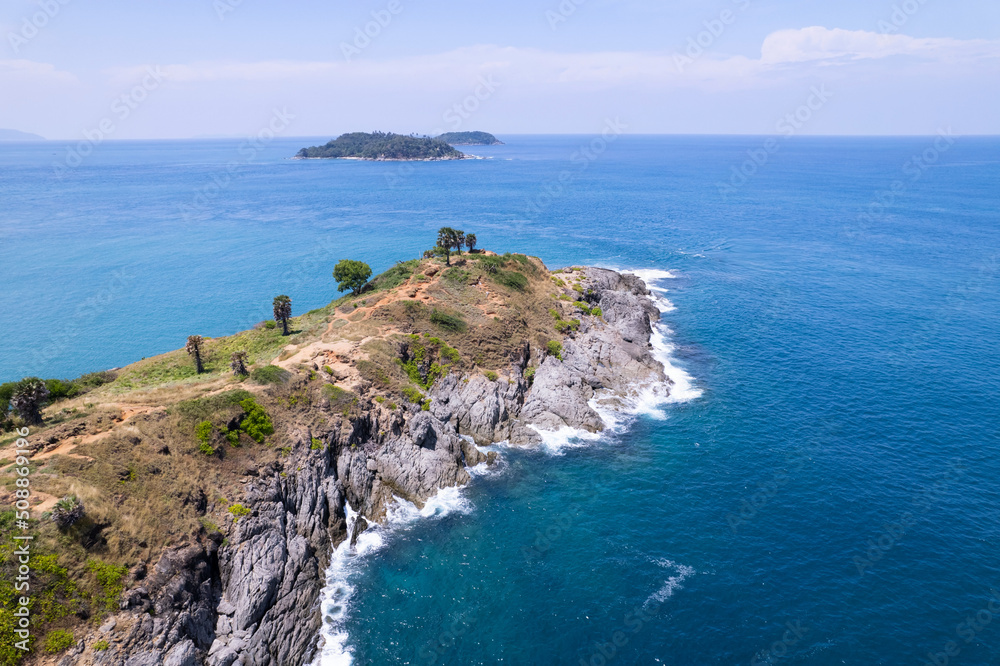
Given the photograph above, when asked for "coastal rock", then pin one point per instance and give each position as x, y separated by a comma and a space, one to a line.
254, 600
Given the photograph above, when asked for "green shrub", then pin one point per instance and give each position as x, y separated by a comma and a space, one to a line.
395, 276
577, 288
567, 326
393, 405
270, 324
327, 369
256, 424
555, 313
317, 444
101, 645
559, 282
554, 348
238, 511
269, 374
597, 312
60, 389
448, 322
111, 579
58, 640
529, 372
457, 275
512, 280
379, 399
92, 380
426, 405
412, 394
490, 375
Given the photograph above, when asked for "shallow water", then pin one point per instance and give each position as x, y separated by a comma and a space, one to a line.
834, 467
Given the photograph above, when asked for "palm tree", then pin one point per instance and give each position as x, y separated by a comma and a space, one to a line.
470, 242
459, 240
238, 364
193, 348
283, 312
27, 399
446, 240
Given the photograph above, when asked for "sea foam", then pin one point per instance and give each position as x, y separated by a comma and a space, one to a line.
347, 561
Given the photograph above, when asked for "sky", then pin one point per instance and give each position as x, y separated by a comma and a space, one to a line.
168, 69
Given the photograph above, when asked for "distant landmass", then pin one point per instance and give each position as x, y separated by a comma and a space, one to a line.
15, 135
382, 146
470, 139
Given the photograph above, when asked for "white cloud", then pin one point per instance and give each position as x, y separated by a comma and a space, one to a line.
805, 48
818, 43
34, 72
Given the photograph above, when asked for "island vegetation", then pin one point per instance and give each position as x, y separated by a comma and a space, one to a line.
382, 146
470, 139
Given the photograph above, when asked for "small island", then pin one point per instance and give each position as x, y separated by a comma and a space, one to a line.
470, 139
382, 146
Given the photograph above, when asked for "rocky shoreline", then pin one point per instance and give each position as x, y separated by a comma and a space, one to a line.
251, 596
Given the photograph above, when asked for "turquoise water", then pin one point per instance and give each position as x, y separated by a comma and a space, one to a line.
831, 496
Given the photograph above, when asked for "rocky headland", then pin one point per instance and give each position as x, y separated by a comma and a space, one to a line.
380, 397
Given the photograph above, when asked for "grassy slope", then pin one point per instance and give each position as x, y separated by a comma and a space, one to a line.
128, 449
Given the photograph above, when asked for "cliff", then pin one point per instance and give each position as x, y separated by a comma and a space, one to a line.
381, 396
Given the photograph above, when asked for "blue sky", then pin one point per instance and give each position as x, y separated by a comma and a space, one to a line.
222, 67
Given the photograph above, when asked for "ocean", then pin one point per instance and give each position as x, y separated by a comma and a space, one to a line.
822, 492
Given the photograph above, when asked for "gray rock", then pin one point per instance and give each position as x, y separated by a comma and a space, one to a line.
255, 600
182, 654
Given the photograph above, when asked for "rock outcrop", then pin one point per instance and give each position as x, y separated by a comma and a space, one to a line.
253, 599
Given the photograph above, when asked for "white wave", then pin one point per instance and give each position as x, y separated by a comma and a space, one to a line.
555, 442
683, 388
673, 583
648, 275
347, 561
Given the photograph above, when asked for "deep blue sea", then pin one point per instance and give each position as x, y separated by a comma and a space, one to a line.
830, 496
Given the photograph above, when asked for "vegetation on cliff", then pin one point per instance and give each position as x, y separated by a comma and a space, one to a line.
157, 454
382, 146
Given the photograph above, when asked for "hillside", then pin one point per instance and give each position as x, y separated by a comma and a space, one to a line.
382, 146
9, 135
470, 139
209, 503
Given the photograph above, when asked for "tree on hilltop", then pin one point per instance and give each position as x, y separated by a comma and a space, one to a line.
238, 364
193, 348
27, 399
470, 242
449, 238
282, 312
351, 274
